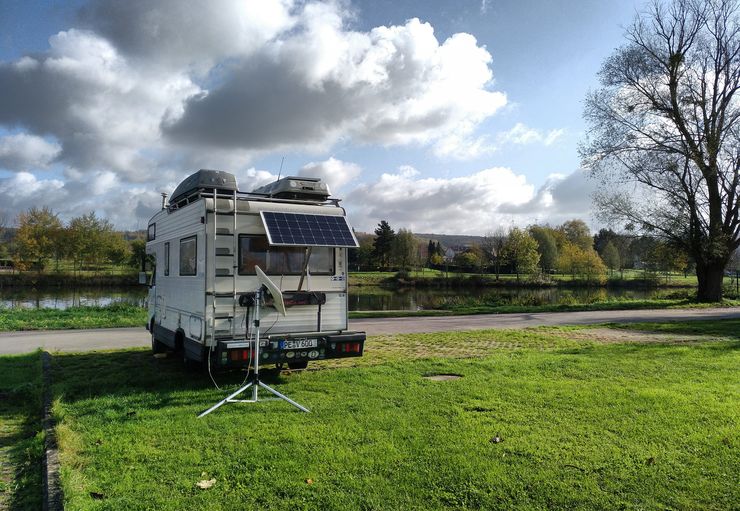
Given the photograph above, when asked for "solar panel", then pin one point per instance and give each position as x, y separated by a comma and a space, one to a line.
301, 229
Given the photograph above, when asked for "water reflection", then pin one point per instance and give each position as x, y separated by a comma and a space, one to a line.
64, 298
369, 298
366, 298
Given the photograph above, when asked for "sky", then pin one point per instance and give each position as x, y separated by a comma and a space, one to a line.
439, 116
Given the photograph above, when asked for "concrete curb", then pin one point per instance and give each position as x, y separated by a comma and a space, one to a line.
52, 498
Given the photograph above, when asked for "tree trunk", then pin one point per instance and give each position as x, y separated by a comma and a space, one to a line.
710, 276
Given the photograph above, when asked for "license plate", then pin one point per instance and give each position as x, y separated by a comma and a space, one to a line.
296, 344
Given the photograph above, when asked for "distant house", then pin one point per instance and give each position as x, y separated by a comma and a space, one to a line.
452, 251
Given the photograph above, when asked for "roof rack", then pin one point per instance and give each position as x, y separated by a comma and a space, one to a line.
203, 184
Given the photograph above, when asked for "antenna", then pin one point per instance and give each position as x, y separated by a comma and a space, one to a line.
282, 160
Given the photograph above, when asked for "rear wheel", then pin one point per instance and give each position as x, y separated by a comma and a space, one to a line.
157, 346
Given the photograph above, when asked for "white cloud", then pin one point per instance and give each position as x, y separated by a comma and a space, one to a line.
23, 190
23, 152
473, 204
143, 92
103, 112
321, 83
336, 173
466, 205
166, 34
553, 136
522, 134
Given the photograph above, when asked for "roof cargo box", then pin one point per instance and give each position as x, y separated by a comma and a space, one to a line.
292, 187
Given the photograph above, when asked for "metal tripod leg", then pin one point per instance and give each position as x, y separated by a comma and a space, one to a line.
255, 384
281, 396
224, 401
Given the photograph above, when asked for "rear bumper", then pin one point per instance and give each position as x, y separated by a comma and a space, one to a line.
279, 349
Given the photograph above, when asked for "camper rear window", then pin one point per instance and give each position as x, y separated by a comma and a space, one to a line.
188, 256
254, 250
151, 232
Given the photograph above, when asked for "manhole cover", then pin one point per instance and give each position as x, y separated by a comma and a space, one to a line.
443, 377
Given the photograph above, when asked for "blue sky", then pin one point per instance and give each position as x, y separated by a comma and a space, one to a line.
439, 116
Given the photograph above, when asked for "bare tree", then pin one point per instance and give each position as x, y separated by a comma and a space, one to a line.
664, 131
492, 247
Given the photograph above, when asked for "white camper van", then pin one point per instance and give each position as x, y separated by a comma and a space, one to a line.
207, 244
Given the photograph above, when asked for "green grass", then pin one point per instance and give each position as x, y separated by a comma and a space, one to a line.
116, 315
21, 439
584, 425
127, 315
616, 278
464, 309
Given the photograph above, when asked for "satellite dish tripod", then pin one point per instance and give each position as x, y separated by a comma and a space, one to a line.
265, 285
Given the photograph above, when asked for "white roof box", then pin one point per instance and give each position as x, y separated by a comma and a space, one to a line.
292, 187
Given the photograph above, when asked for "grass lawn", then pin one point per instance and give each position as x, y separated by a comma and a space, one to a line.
588, 418
365, 278
127, 315
21, 439
116, 315
474, 306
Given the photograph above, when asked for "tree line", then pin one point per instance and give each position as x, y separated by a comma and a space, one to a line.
87, 242
569, 248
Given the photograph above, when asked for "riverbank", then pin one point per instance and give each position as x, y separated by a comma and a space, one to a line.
629, 279
111, 316
126, 315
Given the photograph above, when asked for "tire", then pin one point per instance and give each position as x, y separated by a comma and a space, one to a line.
295, 366
157, 346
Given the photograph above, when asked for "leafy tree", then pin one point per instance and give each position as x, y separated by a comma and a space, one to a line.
37, 237
403, 248
362, 257
610, 256
383, 244
546, 246
666, 257
431, 250
137, 250
118, 251
520, 251
577, 232
582, 263
467, 260
665, 121
93, 241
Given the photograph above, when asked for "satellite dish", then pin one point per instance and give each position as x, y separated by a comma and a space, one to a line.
277, 295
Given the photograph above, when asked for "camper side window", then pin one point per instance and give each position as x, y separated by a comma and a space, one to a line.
188, 256
151, 232
167, 259
254, 250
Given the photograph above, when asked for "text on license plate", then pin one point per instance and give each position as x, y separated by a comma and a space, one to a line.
293, 344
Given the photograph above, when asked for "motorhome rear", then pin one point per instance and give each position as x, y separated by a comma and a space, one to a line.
207, 243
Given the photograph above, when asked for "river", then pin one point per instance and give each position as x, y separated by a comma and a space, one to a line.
365, 298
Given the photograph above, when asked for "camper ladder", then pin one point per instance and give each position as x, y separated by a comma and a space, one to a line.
225, 266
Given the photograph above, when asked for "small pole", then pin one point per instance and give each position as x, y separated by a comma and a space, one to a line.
164, 199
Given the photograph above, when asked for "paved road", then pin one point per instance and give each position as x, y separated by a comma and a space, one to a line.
111, 338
